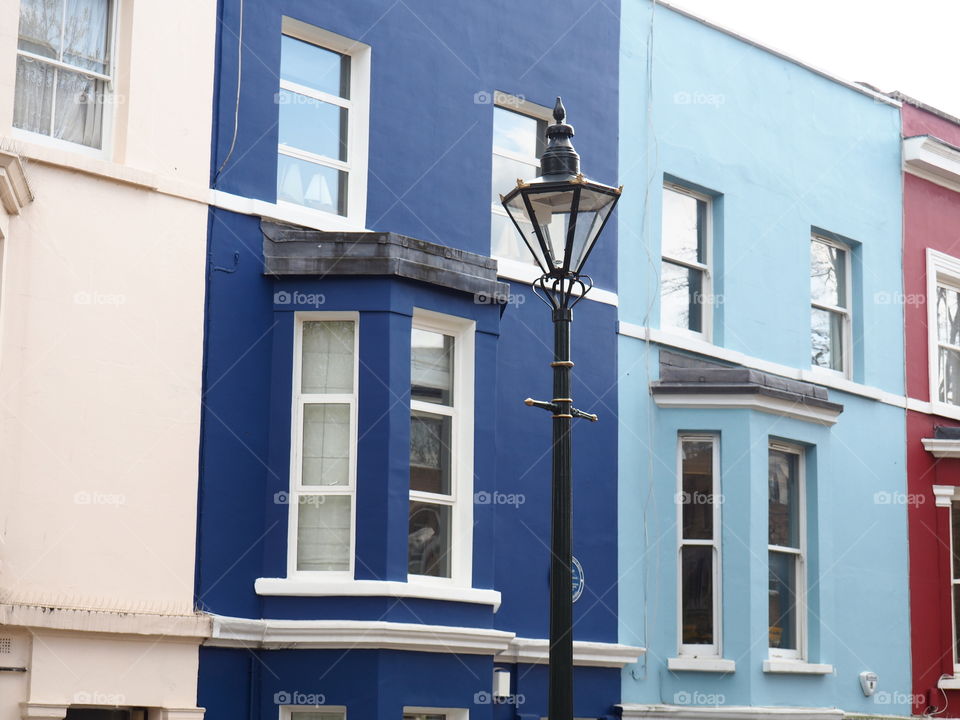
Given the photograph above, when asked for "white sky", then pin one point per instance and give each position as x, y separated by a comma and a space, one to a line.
911, 46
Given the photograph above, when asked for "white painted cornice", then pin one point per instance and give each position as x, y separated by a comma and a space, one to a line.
356, 634
932, 159
942, 447
728, 712
943, 495
748, 401
587, 654
103, 621
307, 587
383, 635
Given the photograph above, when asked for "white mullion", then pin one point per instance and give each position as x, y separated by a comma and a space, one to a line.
432, 408
948, 346
830, 308
306, 155
700, 542
315, 94
786, 549
435, 498
61, 65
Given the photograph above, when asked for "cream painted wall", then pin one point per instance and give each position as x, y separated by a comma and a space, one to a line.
101, 320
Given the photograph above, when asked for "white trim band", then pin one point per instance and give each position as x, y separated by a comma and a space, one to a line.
536, 651
796, 667
728, 712
748, 401
355, 634
701, 664
821, 377
305, 587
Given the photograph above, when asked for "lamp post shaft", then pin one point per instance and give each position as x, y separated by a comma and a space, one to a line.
560, 688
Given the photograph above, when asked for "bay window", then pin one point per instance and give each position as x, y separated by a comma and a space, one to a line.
323, 470
786, 551
441, 454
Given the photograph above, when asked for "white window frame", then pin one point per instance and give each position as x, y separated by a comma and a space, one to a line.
461, 451
706, 288
448, 713
286, 711
512, 267
942, 269
296, 445
954, 582
105, 150
800, 653
358, 124
716, 649
846, 334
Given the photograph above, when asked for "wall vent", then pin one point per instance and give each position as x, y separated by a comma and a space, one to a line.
6, 646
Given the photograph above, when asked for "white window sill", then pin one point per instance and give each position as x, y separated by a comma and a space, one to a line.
285, 212
796, 667
701, 664
309, 587
951, 682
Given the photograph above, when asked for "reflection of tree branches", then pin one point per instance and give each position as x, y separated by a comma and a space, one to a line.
948, 321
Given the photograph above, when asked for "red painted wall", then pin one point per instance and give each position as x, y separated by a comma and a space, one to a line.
931, 220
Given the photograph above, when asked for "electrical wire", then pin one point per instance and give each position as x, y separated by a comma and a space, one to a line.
236, 108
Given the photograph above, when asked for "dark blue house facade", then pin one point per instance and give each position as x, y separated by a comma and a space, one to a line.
373, 532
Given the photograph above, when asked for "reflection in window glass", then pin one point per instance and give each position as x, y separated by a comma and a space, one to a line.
683, 272
785, 552
948, 341
699, 544
830, 312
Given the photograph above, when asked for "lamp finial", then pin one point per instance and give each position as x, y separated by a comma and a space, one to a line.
560, 158
559, 111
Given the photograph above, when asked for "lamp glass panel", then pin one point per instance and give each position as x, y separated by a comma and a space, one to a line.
518, 212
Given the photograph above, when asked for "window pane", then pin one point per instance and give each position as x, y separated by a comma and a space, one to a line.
311, 185
79, 108
697, 496
85, 34
784, 500
33, 96
430, 452
431, 367
684, 227
313, 125
429, 539
828, 274
323, 532
783, 601
315, 67
516, 133
681, 297
506, 172
826, 339
949, 361
948, 317
697, 595
40, 22
327, 357
326, 445
506, 241
955, 527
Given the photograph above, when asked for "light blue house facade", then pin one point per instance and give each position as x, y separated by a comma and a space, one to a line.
762, 519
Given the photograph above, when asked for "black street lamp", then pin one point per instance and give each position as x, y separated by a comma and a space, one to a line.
560, 216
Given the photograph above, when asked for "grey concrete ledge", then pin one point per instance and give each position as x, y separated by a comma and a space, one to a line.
289, 250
